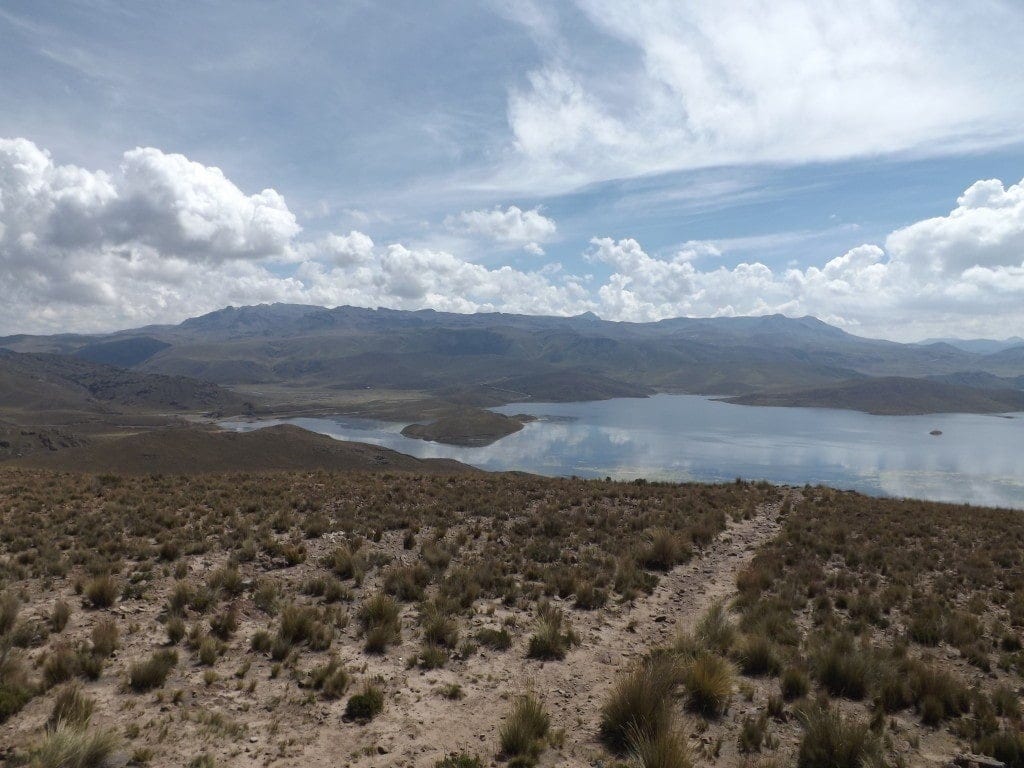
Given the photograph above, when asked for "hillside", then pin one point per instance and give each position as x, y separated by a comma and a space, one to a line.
894, 396
190, 450
32, 385
382, 620
332, 356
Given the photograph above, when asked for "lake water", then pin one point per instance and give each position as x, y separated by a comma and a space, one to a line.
978, 459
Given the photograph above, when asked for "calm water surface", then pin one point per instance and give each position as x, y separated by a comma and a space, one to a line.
978, 459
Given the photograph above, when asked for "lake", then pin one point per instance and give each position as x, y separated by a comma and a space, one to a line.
978, 459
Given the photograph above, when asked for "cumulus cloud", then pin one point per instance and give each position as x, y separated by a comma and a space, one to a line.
707, 83
958, 274
511, 225
162, 238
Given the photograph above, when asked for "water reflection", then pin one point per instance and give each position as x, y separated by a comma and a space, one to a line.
978, 459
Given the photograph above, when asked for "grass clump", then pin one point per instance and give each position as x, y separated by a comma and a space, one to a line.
102, 591
666, 749
105, 637
709, 682
715, 630
524, 730
379, 621
832, 741
152, 673
459, 760
365, 705
552, 636
495, 639
639, 705
70, 707
70, 746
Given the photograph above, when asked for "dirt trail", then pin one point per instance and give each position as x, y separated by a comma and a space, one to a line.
419, 725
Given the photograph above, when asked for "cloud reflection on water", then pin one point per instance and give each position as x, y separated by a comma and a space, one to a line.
978, 459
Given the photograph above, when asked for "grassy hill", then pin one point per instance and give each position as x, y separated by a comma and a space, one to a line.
894, 396
193, 450
37, 384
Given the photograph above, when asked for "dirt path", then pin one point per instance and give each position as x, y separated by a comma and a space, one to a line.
419, 725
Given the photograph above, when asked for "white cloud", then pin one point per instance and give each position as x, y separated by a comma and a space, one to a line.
511, 225
163, 238
958, 274
707, 83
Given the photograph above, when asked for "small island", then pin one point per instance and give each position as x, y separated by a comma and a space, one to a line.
470, 427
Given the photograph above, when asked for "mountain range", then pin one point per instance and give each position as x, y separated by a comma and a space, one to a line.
427, 366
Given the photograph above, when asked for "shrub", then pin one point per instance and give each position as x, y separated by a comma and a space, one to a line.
365, 705
146, 675
830, 741
74, 747
552, 636
709, 680
524, 728
102, 591
639, 705
70, 707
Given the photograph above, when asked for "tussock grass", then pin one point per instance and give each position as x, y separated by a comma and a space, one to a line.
365, 705
709, 681
102, 591
152, 673
379, 619
70, 708
640, 704
522, 733
832, 741
69, 746
553, 635
665, 749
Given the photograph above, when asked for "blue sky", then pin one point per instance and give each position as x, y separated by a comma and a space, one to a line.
637, 160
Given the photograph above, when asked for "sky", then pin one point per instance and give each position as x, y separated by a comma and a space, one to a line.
856, 160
